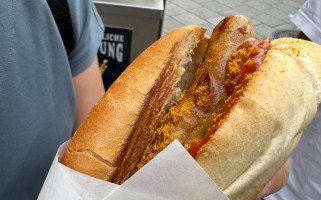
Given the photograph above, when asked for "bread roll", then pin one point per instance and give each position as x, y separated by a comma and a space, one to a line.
255, 138
267, 122
118, 128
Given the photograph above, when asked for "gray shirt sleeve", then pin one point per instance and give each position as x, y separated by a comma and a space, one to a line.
88, 31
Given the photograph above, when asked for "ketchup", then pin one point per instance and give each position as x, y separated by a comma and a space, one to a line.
252, 53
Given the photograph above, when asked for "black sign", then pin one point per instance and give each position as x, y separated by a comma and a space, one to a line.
115, 47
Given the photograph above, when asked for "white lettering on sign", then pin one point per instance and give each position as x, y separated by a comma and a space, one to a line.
119, 52
114, 37
111, 50
112, 46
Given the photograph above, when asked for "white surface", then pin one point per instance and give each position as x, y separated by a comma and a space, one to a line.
172, 174
308, 19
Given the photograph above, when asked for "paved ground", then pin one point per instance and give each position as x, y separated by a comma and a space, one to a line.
269, 16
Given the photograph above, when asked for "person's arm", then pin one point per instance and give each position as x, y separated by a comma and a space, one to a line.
278, 181
89, 89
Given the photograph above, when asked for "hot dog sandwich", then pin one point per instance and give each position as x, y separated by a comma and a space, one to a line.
238, 104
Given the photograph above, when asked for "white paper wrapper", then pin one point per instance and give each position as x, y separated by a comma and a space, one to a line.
172, 174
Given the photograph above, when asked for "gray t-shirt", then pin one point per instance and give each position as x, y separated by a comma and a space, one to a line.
37, 98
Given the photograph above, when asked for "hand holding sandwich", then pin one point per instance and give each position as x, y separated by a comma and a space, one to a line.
237, 103
277, 182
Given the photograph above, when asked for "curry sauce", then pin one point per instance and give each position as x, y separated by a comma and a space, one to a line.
198, 113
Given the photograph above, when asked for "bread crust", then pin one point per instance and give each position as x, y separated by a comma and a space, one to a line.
119, 121
261, 131
265, 125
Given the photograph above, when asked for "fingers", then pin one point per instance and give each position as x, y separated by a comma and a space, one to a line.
277, 182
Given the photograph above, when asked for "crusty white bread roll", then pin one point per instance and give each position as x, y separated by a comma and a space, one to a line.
123, 118
267, 122
259, 129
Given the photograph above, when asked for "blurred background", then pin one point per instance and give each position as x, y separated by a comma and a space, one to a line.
131, 26
269, 16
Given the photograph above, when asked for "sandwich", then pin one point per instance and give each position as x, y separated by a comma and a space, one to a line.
238, 104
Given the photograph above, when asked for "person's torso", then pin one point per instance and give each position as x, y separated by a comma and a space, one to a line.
37, 99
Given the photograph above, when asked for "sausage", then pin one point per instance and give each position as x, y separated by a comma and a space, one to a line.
189, 117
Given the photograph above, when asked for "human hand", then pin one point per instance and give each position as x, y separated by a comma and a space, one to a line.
277, 181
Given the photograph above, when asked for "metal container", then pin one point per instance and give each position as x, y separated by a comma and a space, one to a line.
131, 26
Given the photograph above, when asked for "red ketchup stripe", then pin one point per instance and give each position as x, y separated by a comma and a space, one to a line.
263, 46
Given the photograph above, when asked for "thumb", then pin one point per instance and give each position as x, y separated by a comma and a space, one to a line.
277, 182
